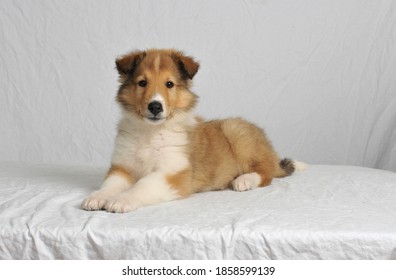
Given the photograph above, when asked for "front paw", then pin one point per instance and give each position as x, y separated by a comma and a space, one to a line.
96, 201
122, 205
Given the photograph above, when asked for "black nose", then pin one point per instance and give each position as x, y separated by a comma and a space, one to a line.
155, 107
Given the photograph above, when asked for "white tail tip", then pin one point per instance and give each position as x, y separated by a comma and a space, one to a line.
299, 165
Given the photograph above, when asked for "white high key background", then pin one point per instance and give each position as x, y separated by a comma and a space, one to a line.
318, 76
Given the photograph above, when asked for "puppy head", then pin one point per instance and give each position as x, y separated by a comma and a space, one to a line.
155, 84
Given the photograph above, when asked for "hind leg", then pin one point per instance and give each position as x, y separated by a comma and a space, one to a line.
257, 160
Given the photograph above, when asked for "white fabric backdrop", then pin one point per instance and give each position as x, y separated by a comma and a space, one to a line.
319, 76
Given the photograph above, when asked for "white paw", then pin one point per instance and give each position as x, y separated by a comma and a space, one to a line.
122, 205
96, 201
246, 182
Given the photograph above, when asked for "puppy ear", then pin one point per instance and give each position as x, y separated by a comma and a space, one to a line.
128, 63
187, 66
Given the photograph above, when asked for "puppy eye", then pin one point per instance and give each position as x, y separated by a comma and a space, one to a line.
142, 83
170, 84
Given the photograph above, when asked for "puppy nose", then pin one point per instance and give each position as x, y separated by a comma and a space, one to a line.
155, 107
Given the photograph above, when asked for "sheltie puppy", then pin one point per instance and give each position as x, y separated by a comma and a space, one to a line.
164, 152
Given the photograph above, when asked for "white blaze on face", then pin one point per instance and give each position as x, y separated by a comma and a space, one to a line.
157, 62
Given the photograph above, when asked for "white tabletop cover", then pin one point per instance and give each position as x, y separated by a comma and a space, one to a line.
325, 212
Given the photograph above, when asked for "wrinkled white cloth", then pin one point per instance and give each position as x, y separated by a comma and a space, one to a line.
325, 212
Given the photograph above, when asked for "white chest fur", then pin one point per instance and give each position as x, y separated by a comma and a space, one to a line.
145, 148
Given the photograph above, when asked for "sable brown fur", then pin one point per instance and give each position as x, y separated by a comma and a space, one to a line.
220, 150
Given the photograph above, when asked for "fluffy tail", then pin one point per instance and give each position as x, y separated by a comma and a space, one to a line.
288, 166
